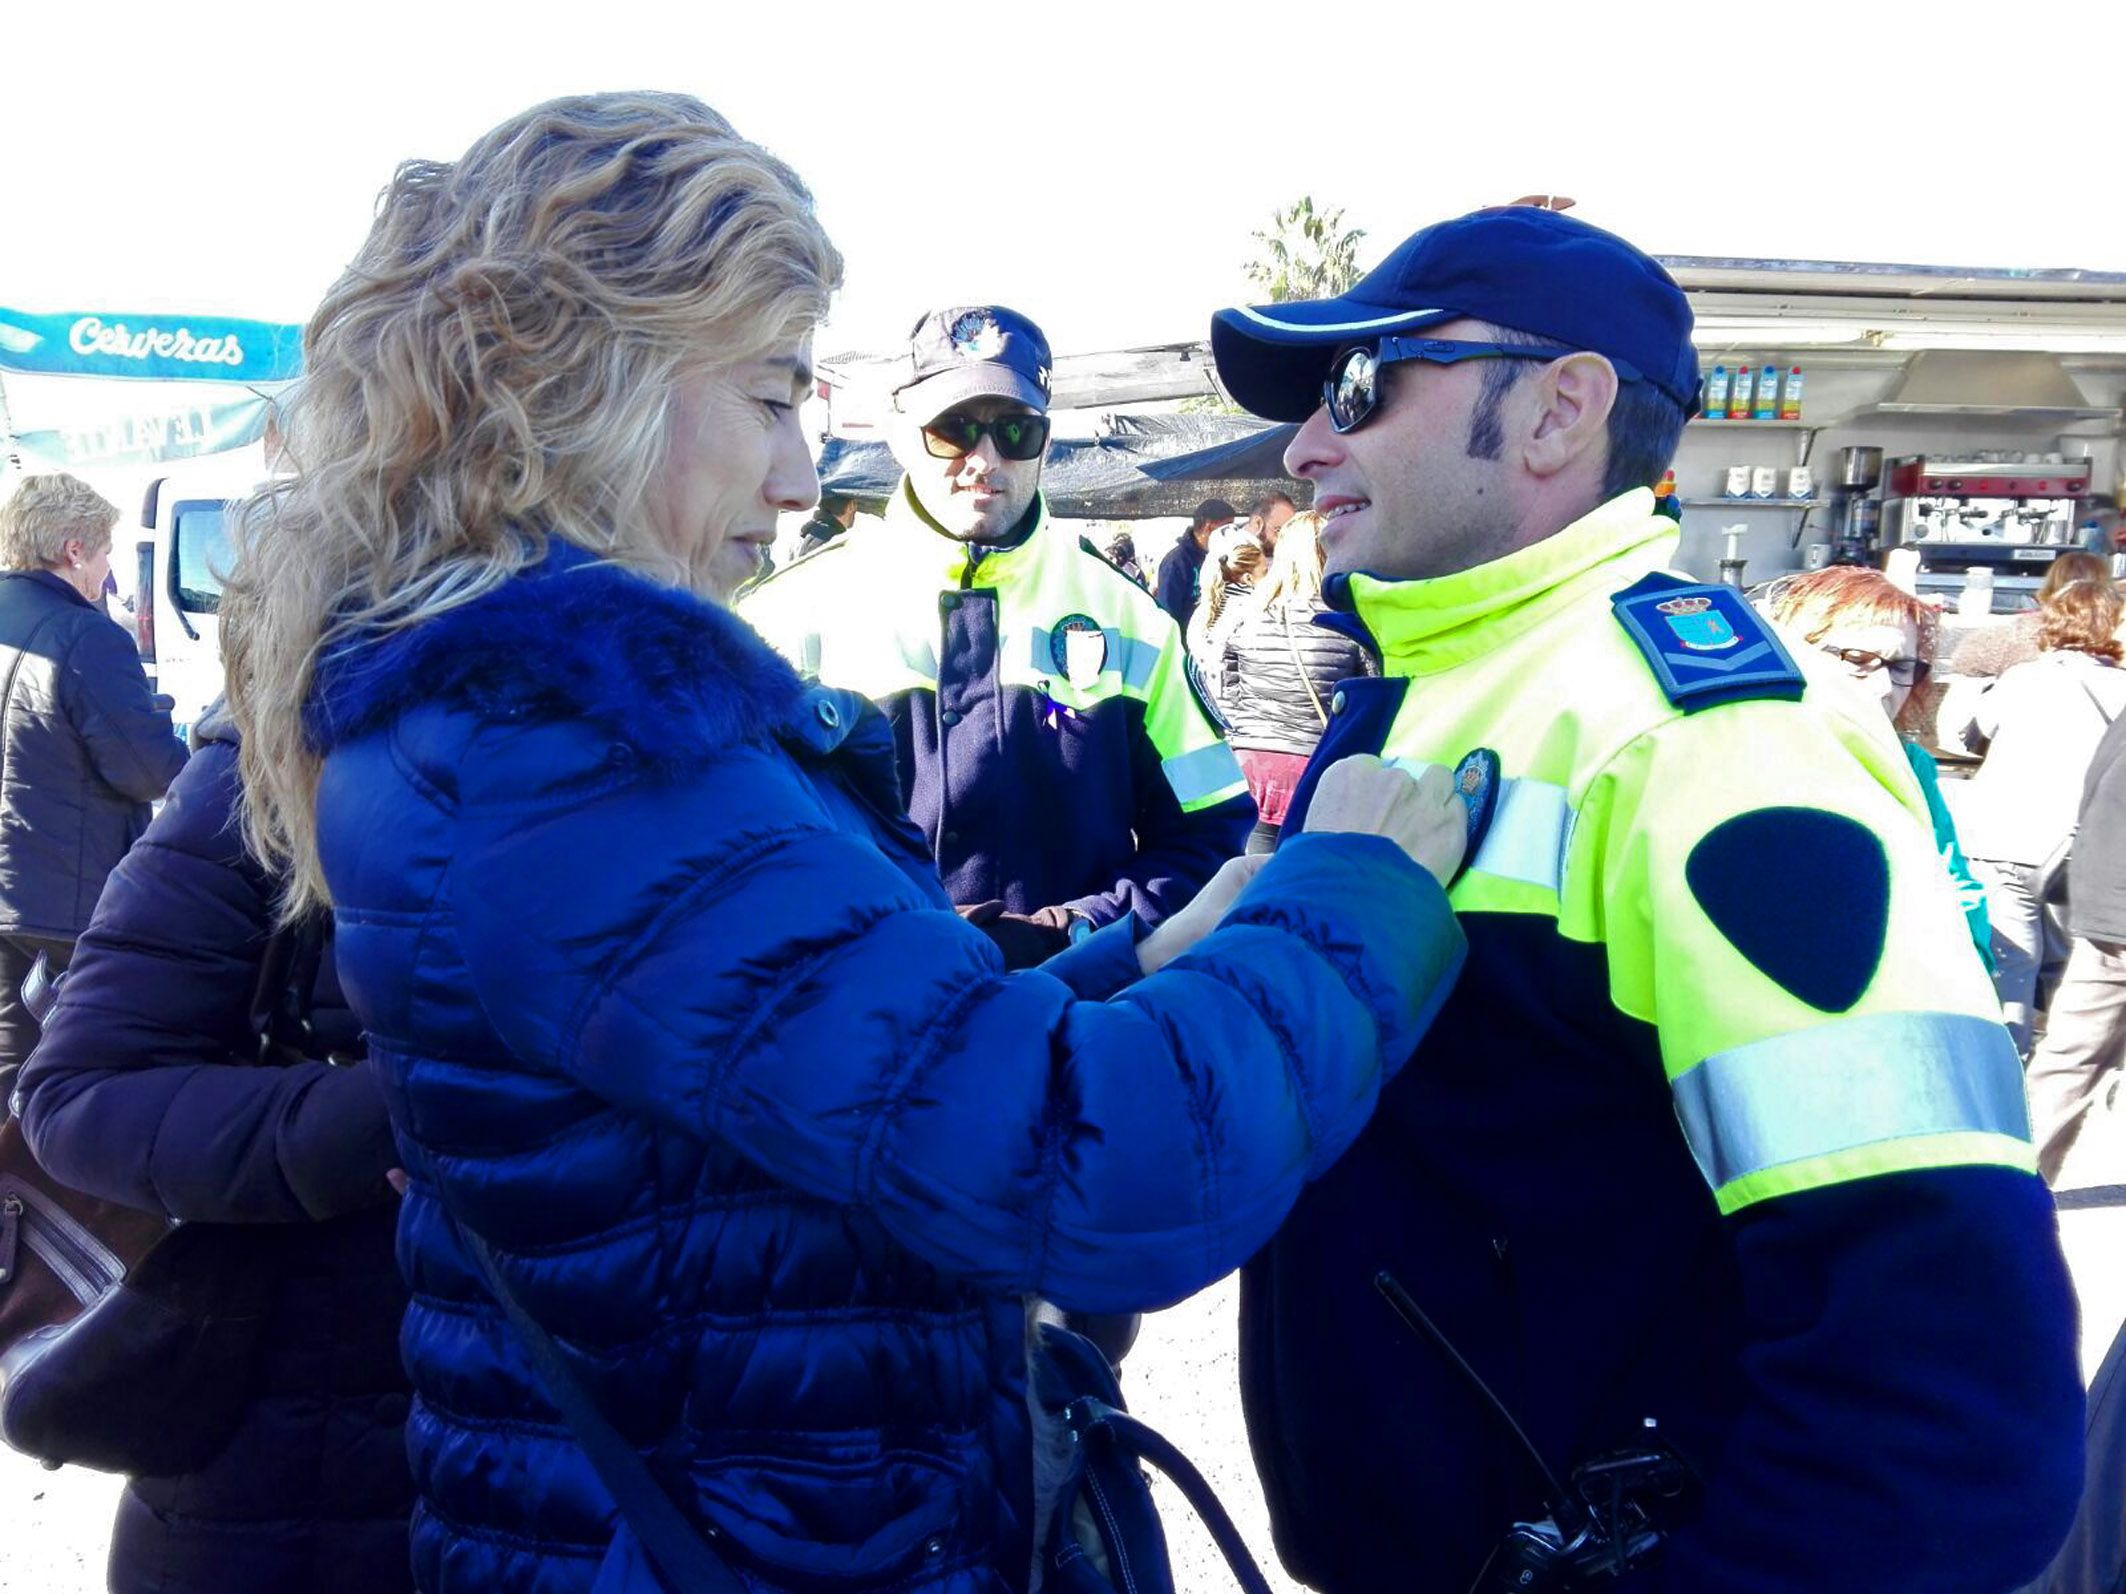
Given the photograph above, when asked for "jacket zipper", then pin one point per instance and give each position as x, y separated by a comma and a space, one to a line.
83, 1263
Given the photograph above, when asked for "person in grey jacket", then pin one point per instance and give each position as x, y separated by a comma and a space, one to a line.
1278, 672
2077, 1065
2039, 725
84, 749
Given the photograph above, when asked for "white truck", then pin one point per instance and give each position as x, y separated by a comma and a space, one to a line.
179, 558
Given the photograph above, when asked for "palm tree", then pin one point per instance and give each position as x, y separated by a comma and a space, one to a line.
1306, 253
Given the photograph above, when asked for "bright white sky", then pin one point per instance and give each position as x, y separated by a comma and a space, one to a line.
1098, 166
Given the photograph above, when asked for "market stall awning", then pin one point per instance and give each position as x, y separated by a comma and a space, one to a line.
108, 389
1140, 467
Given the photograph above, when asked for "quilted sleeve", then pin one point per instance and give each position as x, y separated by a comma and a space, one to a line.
143, 1090
717, 955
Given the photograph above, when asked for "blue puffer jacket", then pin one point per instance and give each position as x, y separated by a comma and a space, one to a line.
671, 1008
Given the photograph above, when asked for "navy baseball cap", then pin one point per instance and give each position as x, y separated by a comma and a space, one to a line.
1517, 266
973, 351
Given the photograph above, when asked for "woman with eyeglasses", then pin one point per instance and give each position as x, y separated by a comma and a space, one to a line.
699, 1082
2038, 726
1885, 638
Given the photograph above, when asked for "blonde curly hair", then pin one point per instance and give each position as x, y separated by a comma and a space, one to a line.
495, 368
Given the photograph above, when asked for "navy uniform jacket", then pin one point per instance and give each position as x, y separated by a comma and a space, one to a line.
1050, 741
1719, 1128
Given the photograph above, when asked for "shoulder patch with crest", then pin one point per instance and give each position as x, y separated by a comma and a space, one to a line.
1705, 644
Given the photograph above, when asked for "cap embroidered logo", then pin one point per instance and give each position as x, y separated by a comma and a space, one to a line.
977, 336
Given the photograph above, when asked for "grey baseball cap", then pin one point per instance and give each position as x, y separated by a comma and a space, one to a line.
973, 351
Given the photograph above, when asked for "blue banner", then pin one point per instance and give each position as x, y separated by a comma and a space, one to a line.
161, 348
148, 439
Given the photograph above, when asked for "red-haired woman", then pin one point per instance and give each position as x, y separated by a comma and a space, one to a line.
1886, 639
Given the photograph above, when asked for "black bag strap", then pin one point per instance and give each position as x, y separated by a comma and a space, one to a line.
281, 1000
1089, 1417
676, 1547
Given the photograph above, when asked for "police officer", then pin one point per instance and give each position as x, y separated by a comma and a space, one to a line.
1052, 745
1718, 1148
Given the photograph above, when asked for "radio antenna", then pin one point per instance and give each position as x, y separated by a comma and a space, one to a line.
1568, 1516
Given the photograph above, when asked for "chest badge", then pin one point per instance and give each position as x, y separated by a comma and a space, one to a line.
1697, 624
1077, 646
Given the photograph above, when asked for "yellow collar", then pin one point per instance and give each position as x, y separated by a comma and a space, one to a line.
1426, 626
917, 551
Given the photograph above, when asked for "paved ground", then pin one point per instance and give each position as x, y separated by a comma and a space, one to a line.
1181, 1378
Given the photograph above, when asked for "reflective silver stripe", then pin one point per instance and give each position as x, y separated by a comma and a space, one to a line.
1395, 320
1529, 830
1203, 773
1137, 660
1526, 840
1134, 661
1853, 1082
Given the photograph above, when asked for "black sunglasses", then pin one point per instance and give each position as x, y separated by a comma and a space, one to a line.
1352, 390
1903, 672
1018, 436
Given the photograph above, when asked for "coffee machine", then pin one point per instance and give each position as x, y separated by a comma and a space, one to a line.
1855, 516
2006, 516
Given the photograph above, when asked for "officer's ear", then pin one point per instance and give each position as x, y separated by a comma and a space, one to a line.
1571, 400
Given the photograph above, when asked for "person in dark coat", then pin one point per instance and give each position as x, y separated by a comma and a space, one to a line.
83, 748
835, 514
672, 1011
1277, 674
147, 1091
1180, 577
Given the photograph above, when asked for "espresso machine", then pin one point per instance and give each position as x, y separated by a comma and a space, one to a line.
2006, 517
1855, 516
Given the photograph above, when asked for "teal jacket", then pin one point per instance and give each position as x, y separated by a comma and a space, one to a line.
1970, 893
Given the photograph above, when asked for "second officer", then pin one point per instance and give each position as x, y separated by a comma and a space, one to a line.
1051, 744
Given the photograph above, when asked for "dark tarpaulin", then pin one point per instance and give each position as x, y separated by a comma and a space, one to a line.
1140, 467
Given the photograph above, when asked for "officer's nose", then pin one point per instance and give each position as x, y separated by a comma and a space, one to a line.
1315, 447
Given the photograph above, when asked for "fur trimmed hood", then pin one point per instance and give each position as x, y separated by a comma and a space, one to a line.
573, 637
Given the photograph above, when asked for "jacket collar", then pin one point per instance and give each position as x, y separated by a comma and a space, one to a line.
917, 550
1422, 627
53, 580
574, 636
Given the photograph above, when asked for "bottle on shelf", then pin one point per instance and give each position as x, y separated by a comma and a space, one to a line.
1716, 394
1744, 394
1767, 406
1666, 501
1790, 396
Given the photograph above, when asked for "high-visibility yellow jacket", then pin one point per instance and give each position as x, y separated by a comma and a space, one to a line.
1720, 1127
1050, 741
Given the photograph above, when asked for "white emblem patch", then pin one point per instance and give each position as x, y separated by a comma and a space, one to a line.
977, 336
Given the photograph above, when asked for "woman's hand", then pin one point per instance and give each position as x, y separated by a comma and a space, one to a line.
1425, 815
1421, 814
1179, 931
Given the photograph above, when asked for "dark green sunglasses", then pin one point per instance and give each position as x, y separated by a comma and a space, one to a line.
1018, 436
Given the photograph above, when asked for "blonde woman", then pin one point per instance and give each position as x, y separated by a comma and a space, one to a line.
696, 1075
1231, 565
1277, 674
86, 750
